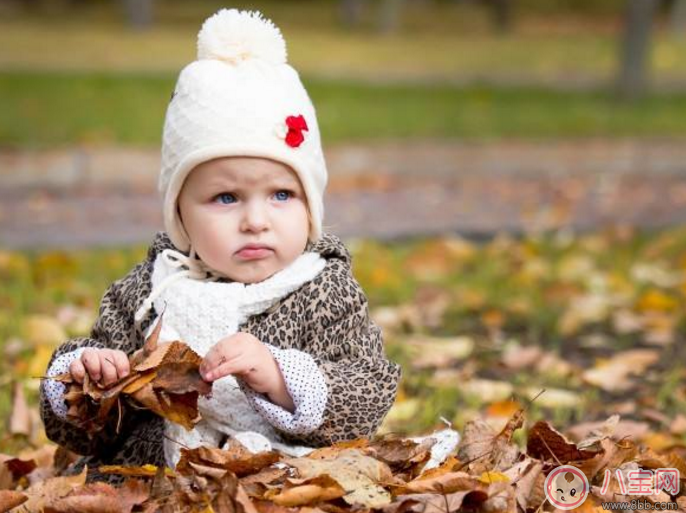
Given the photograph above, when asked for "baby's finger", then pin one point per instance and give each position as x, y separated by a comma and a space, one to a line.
77, 370
91, 361
121, 361
212, 359
234, 366
108, 368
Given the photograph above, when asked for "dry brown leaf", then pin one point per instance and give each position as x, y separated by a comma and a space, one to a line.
357, 473
446, 467
20, 419
438, 503
482, 450
180, 378
256, 485
402, 453
501, 498
11, 499
547, 444
525, 476
149, 345
102, 498
614, 374
311, 491
335, 449
48, 491
631, 429
180, 408
165, 380
443, 483
242, 501
237, 459
264, 506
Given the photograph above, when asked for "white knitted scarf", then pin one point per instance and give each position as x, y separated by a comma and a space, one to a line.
200, 313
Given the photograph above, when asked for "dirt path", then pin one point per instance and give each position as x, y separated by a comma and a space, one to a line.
106, 196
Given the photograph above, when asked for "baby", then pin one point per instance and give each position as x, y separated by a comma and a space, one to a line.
242, 272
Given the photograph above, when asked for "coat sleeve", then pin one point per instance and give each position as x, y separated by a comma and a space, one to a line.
113, 329
348, 349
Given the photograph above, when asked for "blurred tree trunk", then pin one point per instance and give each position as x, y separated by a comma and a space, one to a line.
635, 48
351, 12
678, 17
139, 13
501, 14
389, 19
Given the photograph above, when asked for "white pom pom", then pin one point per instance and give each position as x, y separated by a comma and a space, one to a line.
233, 36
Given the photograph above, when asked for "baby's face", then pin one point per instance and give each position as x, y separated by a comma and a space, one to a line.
231, 202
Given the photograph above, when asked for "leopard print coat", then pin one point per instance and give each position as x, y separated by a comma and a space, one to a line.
327, 317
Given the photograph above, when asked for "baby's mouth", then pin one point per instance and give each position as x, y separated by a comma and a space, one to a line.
254, 253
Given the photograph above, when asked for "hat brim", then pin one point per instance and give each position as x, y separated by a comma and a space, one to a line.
288, 156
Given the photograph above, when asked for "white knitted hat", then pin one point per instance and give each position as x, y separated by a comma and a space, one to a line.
240, 98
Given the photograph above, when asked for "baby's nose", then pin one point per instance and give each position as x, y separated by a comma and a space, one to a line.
255, 219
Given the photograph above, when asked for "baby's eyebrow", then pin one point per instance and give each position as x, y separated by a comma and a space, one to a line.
286, 185
276, 184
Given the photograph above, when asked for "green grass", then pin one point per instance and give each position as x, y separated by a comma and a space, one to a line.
436, 41
42, 109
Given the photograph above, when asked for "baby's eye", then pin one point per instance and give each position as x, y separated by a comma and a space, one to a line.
225, 198
283, 195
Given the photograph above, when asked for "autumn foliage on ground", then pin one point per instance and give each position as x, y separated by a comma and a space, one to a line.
544, 333
488, 473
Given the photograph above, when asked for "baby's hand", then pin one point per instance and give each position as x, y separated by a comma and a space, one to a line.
245, 356
104, 366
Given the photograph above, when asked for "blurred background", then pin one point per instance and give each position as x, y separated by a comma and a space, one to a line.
510, 176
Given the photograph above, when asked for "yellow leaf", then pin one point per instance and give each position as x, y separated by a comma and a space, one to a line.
493, 477
660, 441
505, 408
143, 380
147, 470
39, 361
656, 300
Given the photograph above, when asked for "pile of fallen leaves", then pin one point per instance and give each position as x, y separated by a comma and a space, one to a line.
488, 473
164, 378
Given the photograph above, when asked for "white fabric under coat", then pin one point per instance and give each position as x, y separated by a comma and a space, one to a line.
201, 313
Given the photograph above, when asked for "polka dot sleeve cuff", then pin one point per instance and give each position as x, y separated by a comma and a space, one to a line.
305, 384
54, 390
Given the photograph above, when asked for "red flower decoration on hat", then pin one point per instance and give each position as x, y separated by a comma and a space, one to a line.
295, 124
